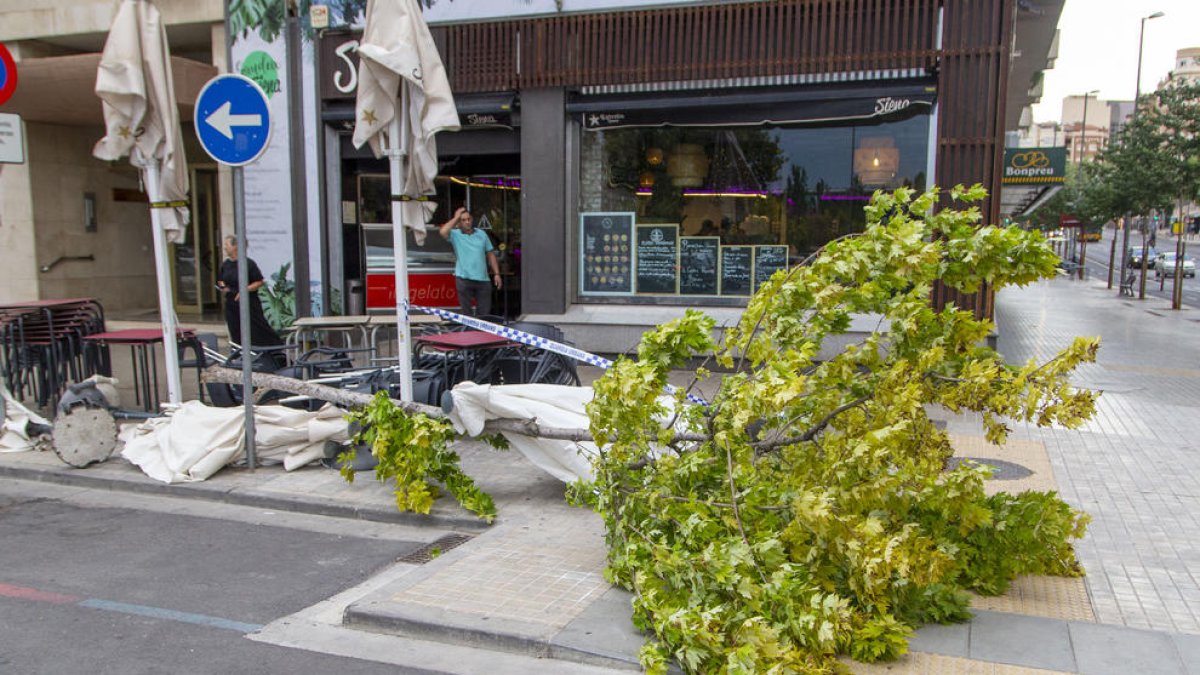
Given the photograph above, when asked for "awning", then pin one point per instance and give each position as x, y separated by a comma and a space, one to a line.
475, 111
61, 89
871, 103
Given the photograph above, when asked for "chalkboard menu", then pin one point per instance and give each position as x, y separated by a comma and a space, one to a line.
606, 253
698, 271
657, 259
767, 261
737, 267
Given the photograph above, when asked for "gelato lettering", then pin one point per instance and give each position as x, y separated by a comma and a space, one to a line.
888, 105
260, 67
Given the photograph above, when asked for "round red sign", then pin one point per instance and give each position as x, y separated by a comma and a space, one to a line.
8, 74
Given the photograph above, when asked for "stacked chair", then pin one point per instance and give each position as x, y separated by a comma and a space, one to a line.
528, 365
43, 348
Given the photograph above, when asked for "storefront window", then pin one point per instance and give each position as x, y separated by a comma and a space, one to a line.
743, 201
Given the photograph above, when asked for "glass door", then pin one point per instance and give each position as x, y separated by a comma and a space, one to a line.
495, 199
194, 260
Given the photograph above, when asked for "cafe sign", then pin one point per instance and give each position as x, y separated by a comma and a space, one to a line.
1034, 166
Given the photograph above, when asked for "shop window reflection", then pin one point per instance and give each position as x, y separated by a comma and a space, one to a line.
799, 187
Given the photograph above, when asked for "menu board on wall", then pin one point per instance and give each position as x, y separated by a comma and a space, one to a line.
737, 268
698, 265
767, 261
657, 259
606, 253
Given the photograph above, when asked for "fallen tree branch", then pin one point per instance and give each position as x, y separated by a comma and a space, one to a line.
527, 427
351, 399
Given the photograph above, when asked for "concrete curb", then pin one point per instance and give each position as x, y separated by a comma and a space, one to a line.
242, 497
478, 632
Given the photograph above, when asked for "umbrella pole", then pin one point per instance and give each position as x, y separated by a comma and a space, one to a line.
166, 307
397, 149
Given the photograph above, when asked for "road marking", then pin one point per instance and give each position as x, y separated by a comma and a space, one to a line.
171, 615
25, 593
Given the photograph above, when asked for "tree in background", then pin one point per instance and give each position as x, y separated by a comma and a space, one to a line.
1172, 120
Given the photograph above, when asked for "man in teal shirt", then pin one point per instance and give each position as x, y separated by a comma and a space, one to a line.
474, 256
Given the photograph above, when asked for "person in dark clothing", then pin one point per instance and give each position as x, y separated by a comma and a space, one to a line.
261, 333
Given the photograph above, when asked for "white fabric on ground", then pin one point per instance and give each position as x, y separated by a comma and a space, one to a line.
15, 436
197, 440
550, 405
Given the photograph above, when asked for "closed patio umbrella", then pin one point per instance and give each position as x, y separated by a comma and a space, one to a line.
135, 85
403, 100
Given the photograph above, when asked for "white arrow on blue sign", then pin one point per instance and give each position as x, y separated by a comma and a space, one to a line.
233, 120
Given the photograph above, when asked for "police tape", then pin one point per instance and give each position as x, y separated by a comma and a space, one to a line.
532, 341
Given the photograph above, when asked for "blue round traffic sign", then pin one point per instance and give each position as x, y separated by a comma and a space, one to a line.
8, 74
233, 120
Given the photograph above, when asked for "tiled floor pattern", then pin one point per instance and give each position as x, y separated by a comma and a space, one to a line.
1135, 467
1051, 597
546, 574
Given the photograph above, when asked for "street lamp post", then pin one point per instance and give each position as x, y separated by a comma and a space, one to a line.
1137, 96
1079, 165
1083, 131
1137, 92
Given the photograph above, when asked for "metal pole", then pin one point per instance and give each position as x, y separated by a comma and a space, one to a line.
239, 227
397, 151
166, 306
1137, 92
243, 267
1112, 257
1083, 132
295, 103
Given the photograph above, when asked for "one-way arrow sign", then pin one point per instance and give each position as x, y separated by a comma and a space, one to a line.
224, 121
233, 120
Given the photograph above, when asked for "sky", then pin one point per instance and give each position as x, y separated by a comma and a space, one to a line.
1098, 45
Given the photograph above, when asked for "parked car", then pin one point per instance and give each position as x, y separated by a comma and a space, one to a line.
1164, 265
1135, 256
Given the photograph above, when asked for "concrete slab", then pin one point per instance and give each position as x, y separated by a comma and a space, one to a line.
949, 640
1021, 640
1116, 650
605, 629
1189, 652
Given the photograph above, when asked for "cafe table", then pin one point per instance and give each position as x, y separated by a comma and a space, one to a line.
141, 343
467, 343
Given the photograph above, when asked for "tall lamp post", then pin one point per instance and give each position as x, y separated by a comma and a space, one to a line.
1079, 164
1083, 131
1137, 96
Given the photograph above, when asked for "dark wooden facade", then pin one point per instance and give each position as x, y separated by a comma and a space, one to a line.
771, 39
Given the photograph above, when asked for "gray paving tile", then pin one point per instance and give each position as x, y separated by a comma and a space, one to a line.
1116, 650
1189, 652
949, 640
1021, 640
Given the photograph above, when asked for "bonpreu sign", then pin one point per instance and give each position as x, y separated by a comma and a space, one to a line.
1042, 166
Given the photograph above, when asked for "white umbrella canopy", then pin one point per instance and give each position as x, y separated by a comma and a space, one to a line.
403, 100
135, 86
401, 78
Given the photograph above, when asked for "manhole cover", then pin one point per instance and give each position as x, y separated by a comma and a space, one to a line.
433, 549
1002, 470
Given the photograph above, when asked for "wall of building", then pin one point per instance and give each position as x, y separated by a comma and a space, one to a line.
61, 170
18, 264
24, 20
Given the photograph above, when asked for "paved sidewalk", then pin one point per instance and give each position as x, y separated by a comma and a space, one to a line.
531, 585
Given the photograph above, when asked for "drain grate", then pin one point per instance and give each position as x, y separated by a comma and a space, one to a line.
1003, 470
433, 549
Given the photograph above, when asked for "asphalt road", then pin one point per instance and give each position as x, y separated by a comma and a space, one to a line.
96, 588
1097, 268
